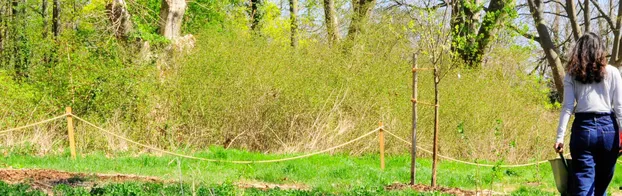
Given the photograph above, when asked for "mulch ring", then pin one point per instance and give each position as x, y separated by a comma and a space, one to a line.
45, 179
267, 186
446, 190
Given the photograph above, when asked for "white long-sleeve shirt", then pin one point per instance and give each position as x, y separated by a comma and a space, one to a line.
604, 96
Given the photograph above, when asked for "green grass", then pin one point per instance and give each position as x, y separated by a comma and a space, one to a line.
325, 173
186, 189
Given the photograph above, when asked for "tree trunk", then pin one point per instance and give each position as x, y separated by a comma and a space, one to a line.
474, 15
616, 53
120, 18
255, 17
469, 38
3, 28
56, 18
4, 15
361, 11
293, 11
586, 15
332, 24
465, 20
572, 17
44, 33
20, 53
556, 24
15, 37
457, 23
171, 16
489, 26
552, 56
609, 41
44, 18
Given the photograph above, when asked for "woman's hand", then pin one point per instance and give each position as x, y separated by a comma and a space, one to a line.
559, 147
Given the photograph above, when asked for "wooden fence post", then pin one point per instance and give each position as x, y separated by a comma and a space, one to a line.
436, 107
381, 140
413, 149
70, 133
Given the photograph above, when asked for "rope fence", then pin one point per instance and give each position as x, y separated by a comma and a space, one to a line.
33, 124
466, 162
224, 161
379, 129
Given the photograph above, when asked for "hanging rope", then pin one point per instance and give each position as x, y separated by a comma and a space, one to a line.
224, 161
466, 162
33, 124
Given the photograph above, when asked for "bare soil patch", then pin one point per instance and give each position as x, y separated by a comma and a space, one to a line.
46, 179
446, 190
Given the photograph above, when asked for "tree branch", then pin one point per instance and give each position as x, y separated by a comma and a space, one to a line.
434, 7
570, 10
602, 13
594, 18
564, 42
554, 1
525, 34
557, 14
521, 6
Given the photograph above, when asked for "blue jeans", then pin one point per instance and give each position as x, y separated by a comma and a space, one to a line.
594, 145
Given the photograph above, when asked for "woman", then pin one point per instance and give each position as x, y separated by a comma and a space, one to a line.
597, 90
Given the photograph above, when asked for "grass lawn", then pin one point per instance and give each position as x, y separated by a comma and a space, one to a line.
338, 174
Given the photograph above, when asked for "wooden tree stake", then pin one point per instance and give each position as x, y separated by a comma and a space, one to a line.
413, 149
70, 133
381, 140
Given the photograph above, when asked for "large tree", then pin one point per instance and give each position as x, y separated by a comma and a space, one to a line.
56, 18
44, 18
472, 34
293, 9
360, 14
332, 24
572, 18
120, 18
4, 15
550, 51
21, 51
254, 13
171, 18
3, 26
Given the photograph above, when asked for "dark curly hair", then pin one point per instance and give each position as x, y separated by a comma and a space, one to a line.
589, 59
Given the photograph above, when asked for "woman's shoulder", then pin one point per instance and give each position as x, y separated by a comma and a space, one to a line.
612, 70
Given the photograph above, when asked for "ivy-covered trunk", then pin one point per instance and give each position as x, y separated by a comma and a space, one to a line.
361, 11
470, 38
